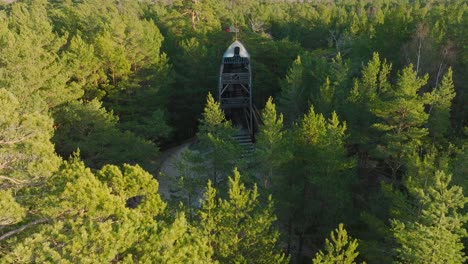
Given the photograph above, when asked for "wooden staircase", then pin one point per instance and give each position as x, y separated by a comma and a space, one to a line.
245, 141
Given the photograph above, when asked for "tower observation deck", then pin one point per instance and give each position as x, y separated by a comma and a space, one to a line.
235, 89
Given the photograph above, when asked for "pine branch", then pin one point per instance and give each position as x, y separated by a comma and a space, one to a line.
16, 231
13, 180
18, 140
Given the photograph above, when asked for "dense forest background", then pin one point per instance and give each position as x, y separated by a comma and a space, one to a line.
364, 109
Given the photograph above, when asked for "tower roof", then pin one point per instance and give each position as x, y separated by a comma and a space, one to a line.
230, 50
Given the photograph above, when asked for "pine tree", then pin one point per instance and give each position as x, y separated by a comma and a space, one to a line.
10, 211
94, 130
85, 68
197, 15
439, 113
363, 95
239, 229
318, 171
292, 97
402, 119
340, 250
214, 120
436, 236
399, 201
459, 166
29, 34
144, 92
327, 93
270, 141
178, 242
32, 80
321, 148
82, 222
135, 186
113, 57
211, 157
192, 85
420, 169
26, 154
334, 89
113, 215
216, 145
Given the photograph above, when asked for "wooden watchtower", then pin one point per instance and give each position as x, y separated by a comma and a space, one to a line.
235, 88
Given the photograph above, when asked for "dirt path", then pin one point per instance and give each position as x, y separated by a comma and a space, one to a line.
167, 175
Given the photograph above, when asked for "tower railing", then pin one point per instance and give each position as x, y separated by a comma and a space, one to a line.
235, 78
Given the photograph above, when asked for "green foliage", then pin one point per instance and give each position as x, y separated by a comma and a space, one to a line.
118, 59
377, 239
459, 166
271, 132
89, 127
195, 70
314, 187
402, 119
85, 68
219, 150
291, 99
271, 60
106, 76
133, 182
439, 118
314, 78
26, 154
81, 221
112, 55
198, 15
10, 211
270, 142
400, 202
213, 120
341, 248
176, 243
321, 156
238, 228
40, 80
420, 170
89, 220
436, 236
326, 95
373, 81
363, 95
330, 95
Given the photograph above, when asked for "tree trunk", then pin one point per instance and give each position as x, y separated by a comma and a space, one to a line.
419, 58
288, 249
299, 248
193, 16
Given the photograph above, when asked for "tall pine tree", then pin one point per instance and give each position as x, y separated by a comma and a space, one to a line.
439, 114
216, 145
270, 142
239, 228
292, 98
436, 236
401, 118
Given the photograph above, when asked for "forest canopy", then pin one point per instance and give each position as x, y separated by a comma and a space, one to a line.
360, 154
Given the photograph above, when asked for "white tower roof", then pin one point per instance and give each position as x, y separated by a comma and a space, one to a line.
230, 50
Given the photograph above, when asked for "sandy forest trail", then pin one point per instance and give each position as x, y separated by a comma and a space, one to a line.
167, 174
